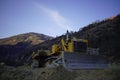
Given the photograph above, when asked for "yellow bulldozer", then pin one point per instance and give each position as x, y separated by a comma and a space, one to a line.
73, 53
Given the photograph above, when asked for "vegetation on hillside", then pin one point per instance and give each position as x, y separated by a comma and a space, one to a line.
105, 36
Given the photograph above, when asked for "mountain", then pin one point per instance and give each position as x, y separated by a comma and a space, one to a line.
14, 49
31, 38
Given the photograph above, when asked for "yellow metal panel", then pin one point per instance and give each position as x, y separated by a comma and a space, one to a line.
55, 48
84, 40
63, 44
70, 47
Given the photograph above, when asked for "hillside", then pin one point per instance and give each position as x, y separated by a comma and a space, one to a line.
13, 49
101, 34
105, 36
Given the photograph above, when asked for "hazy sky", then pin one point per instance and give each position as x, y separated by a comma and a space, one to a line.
52, 17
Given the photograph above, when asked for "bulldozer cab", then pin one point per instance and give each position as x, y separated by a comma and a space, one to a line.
80, 45
72, 44
75, 45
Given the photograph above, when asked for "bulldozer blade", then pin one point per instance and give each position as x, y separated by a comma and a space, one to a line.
83, 61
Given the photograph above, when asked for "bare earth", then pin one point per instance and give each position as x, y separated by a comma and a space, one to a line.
59, 73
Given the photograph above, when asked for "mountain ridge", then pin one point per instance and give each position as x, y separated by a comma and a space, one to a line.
31, 37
